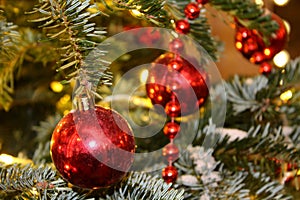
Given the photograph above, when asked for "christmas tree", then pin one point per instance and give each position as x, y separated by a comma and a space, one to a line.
124, 100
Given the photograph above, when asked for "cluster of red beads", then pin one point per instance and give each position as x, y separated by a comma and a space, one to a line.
191, 12
252, 46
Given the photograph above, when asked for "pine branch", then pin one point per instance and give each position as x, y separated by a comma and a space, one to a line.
68, 22
44, 132
142, 186
9, 41
200, 29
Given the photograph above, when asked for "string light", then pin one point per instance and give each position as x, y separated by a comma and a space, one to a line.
56, 86
281, 59
286, 96
259, 2
281, 2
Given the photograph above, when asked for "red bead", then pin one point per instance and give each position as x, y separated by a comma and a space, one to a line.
171, 129
202, 1
192, 11
175, 64
93, 148
265, 68
170, 152
176, 45
173, 109
169, 174
182, 26
189, 84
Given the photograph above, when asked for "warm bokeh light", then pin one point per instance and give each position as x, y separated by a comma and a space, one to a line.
259, 2
7, 159
136, 13
56, 86
281, 2
281, 59
287, 26
287, 95
144, 76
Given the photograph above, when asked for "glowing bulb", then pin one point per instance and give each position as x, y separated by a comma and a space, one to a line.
56, 86
144, 76
7, 159
281, 2
259, 2
287, 95
281, 59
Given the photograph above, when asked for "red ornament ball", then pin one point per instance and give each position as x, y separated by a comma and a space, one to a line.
170, 152
252, 47
182, 26
93, 148
171, 129
188, 85
172, 108
265, 68
202, 1
192, 11
169, 174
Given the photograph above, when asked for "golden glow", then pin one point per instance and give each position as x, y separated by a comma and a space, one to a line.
287, 26
136, 13
287, 95
56, 86
238, 45
281, 59
267, 52
259, 2
66, 112
281, 2
7, 159
144, 76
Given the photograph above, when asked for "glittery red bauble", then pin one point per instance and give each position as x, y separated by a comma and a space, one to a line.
169, 174
93, 148
192, 11
182, 26
265, 68
187, 85
251, 45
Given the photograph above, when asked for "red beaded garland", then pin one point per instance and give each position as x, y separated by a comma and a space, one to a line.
173, 109
175, 64
170, 152
171, 129
86, 145
265, 68
169, 174
182, 26
176, 45
192, 11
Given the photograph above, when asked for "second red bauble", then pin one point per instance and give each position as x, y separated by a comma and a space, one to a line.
93, 148
186, 86
250, 43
